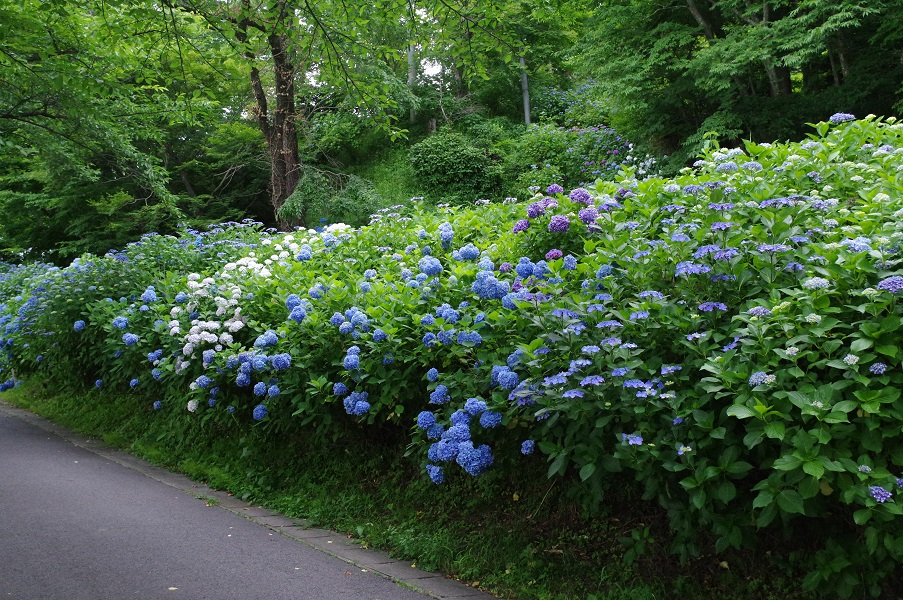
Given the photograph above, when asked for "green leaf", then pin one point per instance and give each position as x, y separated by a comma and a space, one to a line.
861, 344
814, 468
887, 350
787, 463
587, 470
790, 501
763, 499
775, 430
726, 491
862, 516
741, 412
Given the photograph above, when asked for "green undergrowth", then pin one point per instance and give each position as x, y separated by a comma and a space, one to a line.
526, 539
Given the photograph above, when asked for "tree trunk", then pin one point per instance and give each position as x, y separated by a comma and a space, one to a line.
525, 90
412, 78
283, 138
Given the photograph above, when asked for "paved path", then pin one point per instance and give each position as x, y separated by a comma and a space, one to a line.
79, 521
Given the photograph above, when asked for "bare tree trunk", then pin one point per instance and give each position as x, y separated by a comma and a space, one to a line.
834, 72
412, 77
283, 140
525, 90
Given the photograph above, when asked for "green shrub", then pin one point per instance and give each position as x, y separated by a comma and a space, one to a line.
448, 165
728, 338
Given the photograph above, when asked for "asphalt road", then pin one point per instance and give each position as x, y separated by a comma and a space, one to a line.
77, 526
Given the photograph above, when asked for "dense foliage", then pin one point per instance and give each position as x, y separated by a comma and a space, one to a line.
728, 336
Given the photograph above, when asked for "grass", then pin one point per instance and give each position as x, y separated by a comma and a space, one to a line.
391, 174
520, 539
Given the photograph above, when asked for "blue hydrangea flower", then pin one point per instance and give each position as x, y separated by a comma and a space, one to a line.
156, 374
158, 405
632, 440
435, 473
260, 388
508, 380
273, 391
339, 389
181, 297
98, 383
527, 447
430, 266
282, 361
208, 356
266, 339
120, 322
352, 362
457, 433
292, 301
149, 295
443, 450
379, 335
260, 412
474, 406
432, 375
592, 380
203, 381
134, 382
426, 419
297, 314
435, 432
490, 419
130, 339
460, 417
474, 460
243, 380
337, 319
78, 325
439, 395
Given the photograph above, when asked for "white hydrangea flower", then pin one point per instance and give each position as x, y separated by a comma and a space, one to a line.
192, 405
850, 359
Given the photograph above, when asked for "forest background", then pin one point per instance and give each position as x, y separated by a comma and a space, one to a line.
119, 118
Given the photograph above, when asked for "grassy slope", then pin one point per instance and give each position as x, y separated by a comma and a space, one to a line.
515, 539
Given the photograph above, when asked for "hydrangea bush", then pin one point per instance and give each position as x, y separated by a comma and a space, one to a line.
728, 336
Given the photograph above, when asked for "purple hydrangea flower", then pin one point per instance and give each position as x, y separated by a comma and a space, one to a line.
559, 224
879, 493
838, 118
521, 225
554, 189
893, 284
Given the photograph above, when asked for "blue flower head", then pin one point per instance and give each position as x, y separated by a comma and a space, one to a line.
260, 412
474, 460
439, 395
149, 295
339, 389
281, 362
527, 447
426, 419
432, 375
435, 473
130, 339
474, 406
297, 314
266, 339
120, 322
78, 325
260, 388
490, 419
